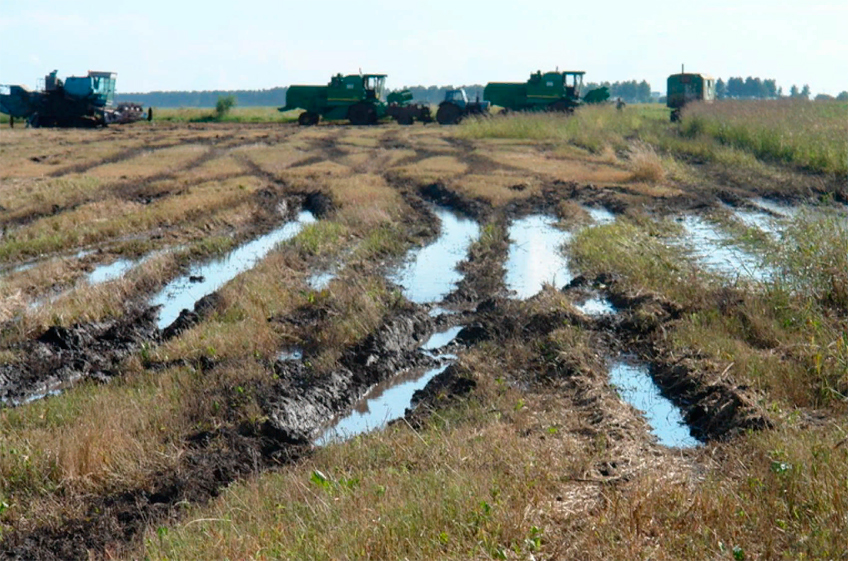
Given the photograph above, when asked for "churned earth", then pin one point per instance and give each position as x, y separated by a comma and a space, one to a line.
265, 341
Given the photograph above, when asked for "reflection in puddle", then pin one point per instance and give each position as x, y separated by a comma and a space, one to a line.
600, 215
596, 306
320, 281
429, 273
535, 257
112, 271
439, 340
379, 406
759, 220
389, 399
775, 207
716, 252
182, 293
635, 386
293, 354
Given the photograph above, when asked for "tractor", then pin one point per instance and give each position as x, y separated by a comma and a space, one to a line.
359, 98
78, 101
551, 91
456, 106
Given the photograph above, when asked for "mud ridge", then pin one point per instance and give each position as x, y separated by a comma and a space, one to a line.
62, 355
303, 401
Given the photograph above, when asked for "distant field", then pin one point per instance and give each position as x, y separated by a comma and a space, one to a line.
236, 115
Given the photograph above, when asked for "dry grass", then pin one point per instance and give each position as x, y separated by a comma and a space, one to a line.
646, 164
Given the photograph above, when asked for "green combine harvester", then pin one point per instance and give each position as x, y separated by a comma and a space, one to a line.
358, 98
685, 88
551, 91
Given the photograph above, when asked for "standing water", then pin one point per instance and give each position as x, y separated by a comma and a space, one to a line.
535, 256
389, 400
429, 274
716, 251
182, 293
636, 387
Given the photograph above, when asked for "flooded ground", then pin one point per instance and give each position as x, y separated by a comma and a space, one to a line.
429, 274
635, 386
596, 306
390, 399
535, 256
183, 292
716, 252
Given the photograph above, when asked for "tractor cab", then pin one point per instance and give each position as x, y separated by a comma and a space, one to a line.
457, 97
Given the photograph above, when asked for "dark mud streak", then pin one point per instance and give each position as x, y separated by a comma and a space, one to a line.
298, 406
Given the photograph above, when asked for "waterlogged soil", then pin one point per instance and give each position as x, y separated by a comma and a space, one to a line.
485, 270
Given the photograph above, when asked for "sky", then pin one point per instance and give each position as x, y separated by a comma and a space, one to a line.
260, 44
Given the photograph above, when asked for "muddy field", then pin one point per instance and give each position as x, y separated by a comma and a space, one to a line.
195, 313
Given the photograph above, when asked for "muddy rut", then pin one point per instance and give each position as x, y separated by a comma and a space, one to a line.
298, 402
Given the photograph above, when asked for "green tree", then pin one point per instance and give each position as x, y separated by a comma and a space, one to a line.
805, 92
223, 106
721, 89
794, 92
843, 96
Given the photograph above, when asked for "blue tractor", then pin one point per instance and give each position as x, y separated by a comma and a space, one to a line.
456, 106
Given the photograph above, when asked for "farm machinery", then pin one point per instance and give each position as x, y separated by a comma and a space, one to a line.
456, 106
359, 98
78, 101
685, 88
551, 91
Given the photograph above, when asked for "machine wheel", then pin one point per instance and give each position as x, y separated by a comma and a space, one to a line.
362, 114
675, 115
405, 119
308, 119
448, 114
561, 106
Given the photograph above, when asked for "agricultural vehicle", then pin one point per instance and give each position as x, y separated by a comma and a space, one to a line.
359, 98
685, 88
78, 101
456, 106
551, 91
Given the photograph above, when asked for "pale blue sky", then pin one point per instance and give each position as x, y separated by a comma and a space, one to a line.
256, 44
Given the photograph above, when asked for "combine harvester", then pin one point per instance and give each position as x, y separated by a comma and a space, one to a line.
686, 88
551, 91
79, 101
359, 98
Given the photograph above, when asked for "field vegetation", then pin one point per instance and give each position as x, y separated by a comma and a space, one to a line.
523, 448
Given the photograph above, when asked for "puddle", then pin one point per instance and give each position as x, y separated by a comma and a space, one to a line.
775, 207
439, 340
535, 256
112, 271
635, 386
758, 220
183, 293
596, 306
389, 399
429, 273
320, 281
292, 354
715, 251
600, 215
439, 311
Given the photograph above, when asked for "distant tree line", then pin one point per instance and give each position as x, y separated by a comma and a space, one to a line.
207, 98
630, 91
